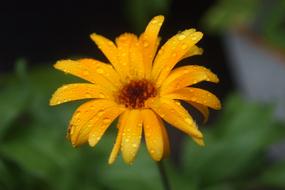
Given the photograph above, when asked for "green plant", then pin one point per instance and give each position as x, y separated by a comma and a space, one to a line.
34, 153
263, 17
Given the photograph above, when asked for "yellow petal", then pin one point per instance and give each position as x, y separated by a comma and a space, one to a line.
108, 48
166, 144
71, 92
101, 123
131, 136
195, 50
136, 67
121, 123
196, 95
203, 109
199, 141
171, 52
91, 70
124, 42
172, 112
149, 41
130, 56
82, 115
153, 134
186, 76
102, 69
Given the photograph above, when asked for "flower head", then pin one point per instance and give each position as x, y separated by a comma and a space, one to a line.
140, 88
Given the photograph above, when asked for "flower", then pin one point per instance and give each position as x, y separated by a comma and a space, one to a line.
139, 88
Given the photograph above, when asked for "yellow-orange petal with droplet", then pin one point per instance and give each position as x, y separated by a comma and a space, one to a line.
116, 148
102, 123
187, 76
153, 134
88, 69
196, 95
131, 136
172, 112
82, 115
149, 41
78, 91
171, 52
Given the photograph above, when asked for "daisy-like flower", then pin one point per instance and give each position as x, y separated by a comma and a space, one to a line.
140, 88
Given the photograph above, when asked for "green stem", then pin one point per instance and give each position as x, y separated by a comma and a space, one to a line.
163, 175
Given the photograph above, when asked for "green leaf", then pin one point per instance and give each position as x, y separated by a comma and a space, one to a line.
142, 175
274, 176
235, 146
142, 11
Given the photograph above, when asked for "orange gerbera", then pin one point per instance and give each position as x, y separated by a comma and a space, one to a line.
139, 88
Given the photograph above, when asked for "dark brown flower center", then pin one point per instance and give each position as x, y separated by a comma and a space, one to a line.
135, 93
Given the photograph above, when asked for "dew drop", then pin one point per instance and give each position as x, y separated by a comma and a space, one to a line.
99, 70
181, 37
194, 38
145, 44
188, 120
100, 112
106, 120
134, 145
154, 21
101, 95
184, 46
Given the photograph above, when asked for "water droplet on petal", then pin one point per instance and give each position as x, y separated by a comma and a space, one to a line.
99, 70
77, 114
154, 21
145, 44
101, 95
194, 38
100, 112
181, 37
184, 46
134, 145
188, 120
106, 120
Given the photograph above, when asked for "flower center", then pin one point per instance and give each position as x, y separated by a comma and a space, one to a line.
136, 92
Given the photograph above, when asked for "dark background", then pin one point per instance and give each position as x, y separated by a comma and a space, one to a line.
44, 31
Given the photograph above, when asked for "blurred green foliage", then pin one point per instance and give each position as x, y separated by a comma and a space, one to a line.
263, 17
34, 153
142, 11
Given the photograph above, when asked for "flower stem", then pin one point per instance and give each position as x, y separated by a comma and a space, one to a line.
163, 175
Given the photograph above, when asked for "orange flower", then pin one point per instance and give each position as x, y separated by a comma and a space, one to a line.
138, 87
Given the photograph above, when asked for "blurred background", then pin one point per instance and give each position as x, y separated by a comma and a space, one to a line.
244, 44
